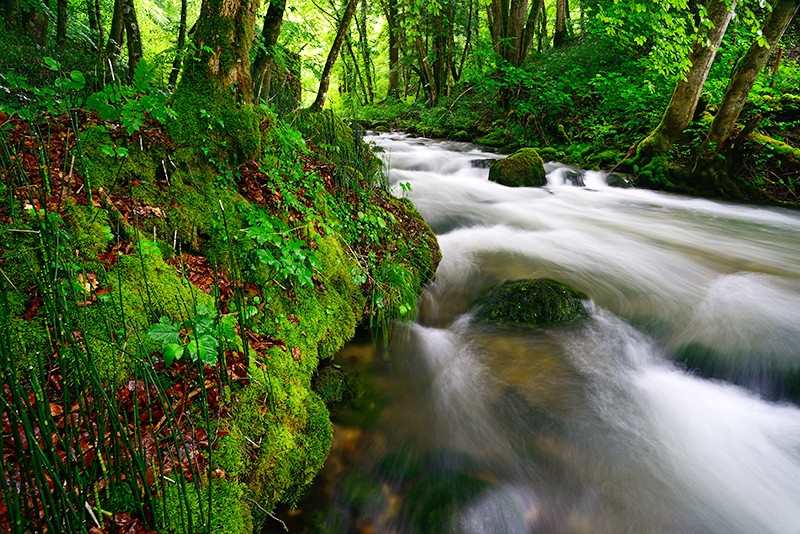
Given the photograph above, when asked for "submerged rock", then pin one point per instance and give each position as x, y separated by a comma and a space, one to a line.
523, 168
532, 303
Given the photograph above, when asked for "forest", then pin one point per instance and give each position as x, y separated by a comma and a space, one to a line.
191, 224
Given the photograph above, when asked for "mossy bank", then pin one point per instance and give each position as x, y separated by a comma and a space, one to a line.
262, 269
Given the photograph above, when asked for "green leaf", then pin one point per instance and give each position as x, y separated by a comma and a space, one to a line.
51, 63
172, 352
165, 331
78, 79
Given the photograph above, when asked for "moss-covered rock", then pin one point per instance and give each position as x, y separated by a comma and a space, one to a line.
523, 168
531, 303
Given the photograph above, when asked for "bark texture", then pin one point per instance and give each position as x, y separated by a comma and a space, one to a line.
131, 24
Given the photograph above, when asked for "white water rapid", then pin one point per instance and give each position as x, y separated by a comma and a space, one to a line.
673, 408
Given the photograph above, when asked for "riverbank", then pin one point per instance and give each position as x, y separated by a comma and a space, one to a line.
170, 318
588, 104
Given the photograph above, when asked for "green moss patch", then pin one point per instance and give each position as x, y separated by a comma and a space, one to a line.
531, 303
523, 168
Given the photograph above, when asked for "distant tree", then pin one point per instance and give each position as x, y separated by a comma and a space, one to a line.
512, 27
180, 49
133, 34
747, 69
265, 56
682, 105
28, 17
325, 78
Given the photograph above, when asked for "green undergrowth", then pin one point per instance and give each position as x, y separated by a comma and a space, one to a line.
160, 250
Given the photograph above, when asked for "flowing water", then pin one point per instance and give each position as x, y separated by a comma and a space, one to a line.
672, 408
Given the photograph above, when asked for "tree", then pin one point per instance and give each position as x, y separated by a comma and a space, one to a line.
178, 61
393, 89
562, 15
61, 22
134, 36
682, 105
214, 96
325, 79
29, 17
511, 28
116, 34
747, 69
265, 56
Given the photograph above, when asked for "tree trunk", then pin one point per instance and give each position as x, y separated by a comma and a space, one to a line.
363, 38
348, 43
116, 34
92, 14
325, 79
28, 17
178, 61
393, 90
133, 35
98, 15
530, 29
562, 13
61, 22
265, 57
426, 73
747, 69
217, 80
682, 105
440, 72
508, 21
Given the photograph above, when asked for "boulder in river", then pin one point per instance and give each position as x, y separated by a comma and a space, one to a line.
532, 303
523, 168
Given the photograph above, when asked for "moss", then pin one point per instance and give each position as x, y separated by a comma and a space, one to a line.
331, 385
531, 303
777, 148
143, 288
210, 117
230, 512
523, 168
461, 135
497, 138
229, 454
89, 229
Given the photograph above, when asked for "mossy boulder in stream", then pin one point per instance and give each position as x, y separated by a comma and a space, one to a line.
531, 303
523, 168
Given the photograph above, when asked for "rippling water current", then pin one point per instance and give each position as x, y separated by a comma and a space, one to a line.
673, 408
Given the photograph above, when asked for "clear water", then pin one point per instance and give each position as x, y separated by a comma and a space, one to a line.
671, 409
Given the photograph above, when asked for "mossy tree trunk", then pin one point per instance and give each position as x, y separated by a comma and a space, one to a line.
213, 99
29, 17
747, 69
325, 79
61, 22
682, 105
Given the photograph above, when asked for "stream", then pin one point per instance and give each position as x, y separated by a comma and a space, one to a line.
672, 408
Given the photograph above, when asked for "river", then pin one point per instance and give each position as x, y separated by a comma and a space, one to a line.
672, 408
